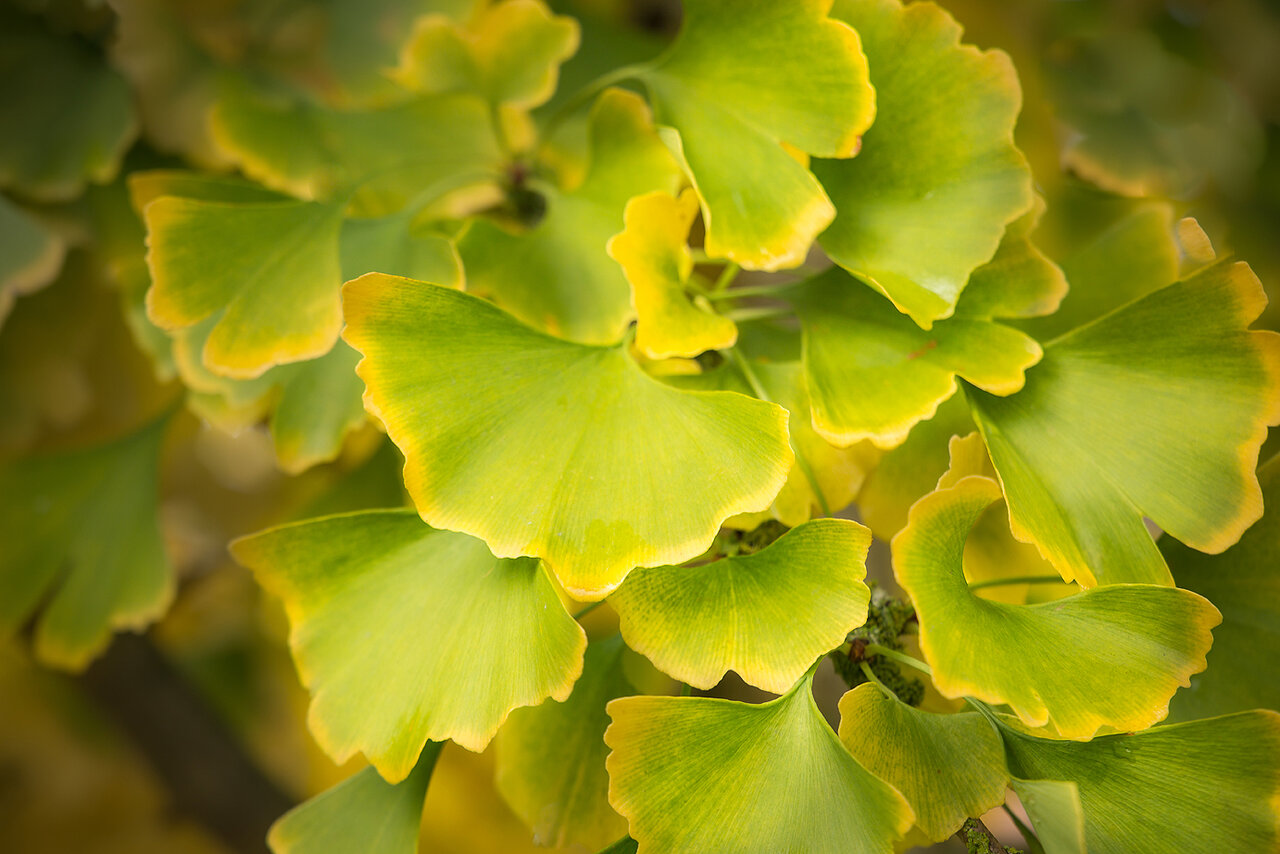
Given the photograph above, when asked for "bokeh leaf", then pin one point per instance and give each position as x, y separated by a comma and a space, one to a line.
357, 586
654, 256
948, 766
1112, 656
683, 768
1157, 409
551, 757
767, 616
30, 254
740, 80
939, 178
83, 545
563, 451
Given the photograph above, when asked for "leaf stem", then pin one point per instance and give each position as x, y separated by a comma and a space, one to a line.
872, 677
754, 291
580, 98
1020, 579
1028, 834
741, 315
900, 657
582, 612
727, 275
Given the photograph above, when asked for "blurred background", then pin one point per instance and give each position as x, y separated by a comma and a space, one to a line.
191, 737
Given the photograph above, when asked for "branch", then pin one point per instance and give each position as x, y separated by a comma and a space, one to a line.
980, 840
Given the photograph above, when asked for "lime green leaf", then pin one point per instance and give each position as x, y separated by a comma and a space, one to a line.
362, 813
1244, 664
387, 155
1020, 281
319, 404
1211, 785
405, 634
1054, 809
766, 615
939, 178
701, 775
509, 53
911, 470
1112, 656
1157, 409
558, 276
268, 271
655, 258
68, 119
948, 767
566, 452
82, 542
740, 80
873, 374
551, 757
30, 254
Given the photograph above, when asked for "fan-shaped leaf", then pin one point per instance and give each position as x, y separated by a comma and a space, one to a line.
655, 259
741, 79
558, 276
559, 450
406, 634
30, 254
1054, 809
948, 767
1020, 280
1157, 409
701, 775
939, 178
1106, 657
82, 537
766, 615
551, 757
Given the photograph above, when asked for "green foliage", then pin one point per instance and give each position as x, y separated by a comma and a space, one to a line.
348, 216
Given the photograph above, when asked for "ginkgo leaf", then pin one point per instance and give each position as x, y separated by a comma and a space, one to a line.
927, 200
82, 544
318, 405
403, 633
1020, 280
824, 479
268, 271
873, 374
740, 80
1211, 785
509, 53
362, 813
544, 447
654, 255
558, 276
1112, 656
766, 616
68, 119
1054, 809
1244, 664
948, 767
550, 764
30, 254
387, 156
1112, 426
694, 774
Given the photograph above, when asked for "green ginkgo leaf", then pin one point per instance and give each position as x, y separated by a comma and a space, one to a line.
927, 200
558, 276
766, 616
873, 374
551, 757
319, 403
405, 634
1244, 664
1020, 280
508, 53
1113, 425
1112, 656
948, 767
82, 544
654, 256
543, 447
1054, 809
30, 254
740, 80
268, 271
362, 813
694, 774
1211, 785
68, 119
